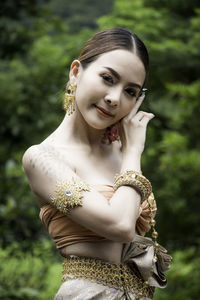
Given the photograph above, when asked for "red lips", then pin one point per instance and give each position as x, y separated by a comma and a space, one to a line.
103, 112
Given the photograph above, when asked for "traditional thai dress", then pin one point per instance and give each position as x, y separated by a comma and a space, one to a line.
86, 278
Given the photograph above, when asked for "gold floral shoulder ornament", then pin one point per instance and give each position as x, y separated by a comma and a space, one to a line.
69, 194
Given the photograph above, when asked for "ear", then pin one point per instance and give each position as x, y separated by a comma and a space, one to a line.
75, 71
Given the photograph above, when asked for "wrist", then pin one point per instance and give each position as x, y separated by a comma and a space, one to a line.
131, 161
135, 180
136, 151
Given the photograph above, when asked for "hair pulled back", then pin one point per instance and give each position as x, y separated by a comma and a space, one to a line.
113, 39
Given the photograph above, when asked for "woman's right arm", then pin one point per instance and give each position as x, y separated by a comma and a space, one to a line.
114, 220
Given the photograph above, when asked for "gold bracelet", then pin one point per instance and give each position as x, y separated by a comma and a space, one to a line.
69, 194
135, 180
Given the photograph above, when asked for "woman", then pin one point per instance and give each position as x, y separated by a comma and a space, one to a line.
97, 218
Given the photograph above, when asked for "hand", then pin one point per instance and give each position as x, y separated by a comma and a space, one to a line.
133, 129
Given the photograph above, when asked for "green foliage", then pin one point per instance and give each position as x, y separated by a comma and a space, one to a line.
32, 89
82, 13
38, 42
16, 24
35, 274
183, 277
172, 157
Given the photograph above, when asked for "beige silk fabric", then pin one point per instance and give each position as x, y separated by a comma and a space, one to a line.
85, 289
119, 276
89, 278
140, 254
66, 232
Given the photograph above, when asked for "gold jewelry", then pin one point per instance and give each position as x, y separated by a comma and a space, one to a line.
69, 194
110, 274
154, 234
69, 101
136, 180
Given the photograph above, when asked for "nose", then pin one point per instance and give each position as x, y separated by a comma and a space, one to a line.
113, 97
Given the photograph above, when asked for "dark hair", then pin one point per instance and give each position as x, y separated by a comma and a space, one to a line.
113, 39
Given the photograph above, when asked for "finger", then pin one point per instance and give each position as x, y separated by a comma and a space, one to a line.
146, 118
141, 114
139, 102
135, 108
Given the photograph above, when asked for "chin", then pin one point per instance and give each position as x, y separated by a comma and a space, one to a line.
98, 126
97, 123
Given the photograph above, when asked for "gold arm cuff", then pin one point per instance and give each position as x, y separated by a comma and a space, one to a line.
69, 194
135, 180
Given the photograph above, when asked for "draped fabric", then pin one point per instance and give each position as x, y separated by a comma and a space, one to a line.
139, 255
84, 289
137, 261
65, 231
144, 218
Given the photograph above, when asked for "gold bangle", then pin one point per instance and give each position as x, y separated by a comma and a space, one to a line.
136, 180
69, 194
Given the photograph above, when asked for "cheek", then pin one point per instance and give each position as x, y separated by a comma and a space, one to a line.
90, 88
127, 108
95, 85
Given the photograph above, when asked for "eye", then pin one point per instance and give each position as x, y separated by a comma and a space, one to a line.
107, 78
131, 92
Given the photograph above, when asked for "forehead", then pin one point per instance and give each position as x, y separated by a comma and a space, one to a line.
126, 63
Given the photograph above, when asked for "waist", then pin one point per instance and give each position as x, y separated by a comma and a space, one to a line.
105, 250
118, 276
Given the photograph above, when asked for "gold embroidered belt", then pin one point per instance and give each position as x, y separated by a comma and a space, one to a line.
118, 276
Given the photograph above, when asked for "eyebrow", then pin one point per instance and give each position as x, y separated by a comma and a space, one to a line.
114, 73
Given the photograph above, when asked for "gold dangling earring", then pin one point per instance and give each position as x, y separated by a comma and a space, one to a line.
69, 101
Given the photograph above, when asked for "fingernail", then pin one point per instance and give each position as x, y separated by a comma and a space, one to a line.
143, 92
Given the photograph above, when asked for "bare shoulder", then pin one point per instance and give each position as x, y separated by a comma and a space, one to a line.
45, 159
38, 157
44, 165
30, 157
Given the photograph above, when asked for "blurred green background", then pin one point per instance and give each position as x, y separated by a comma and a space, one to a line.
38, 41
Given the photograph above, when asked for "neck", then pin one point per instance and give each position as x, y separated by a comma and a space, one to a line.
78, 132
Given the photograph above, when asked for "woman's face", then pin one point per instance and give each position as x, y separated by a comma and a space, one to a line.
108, 88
